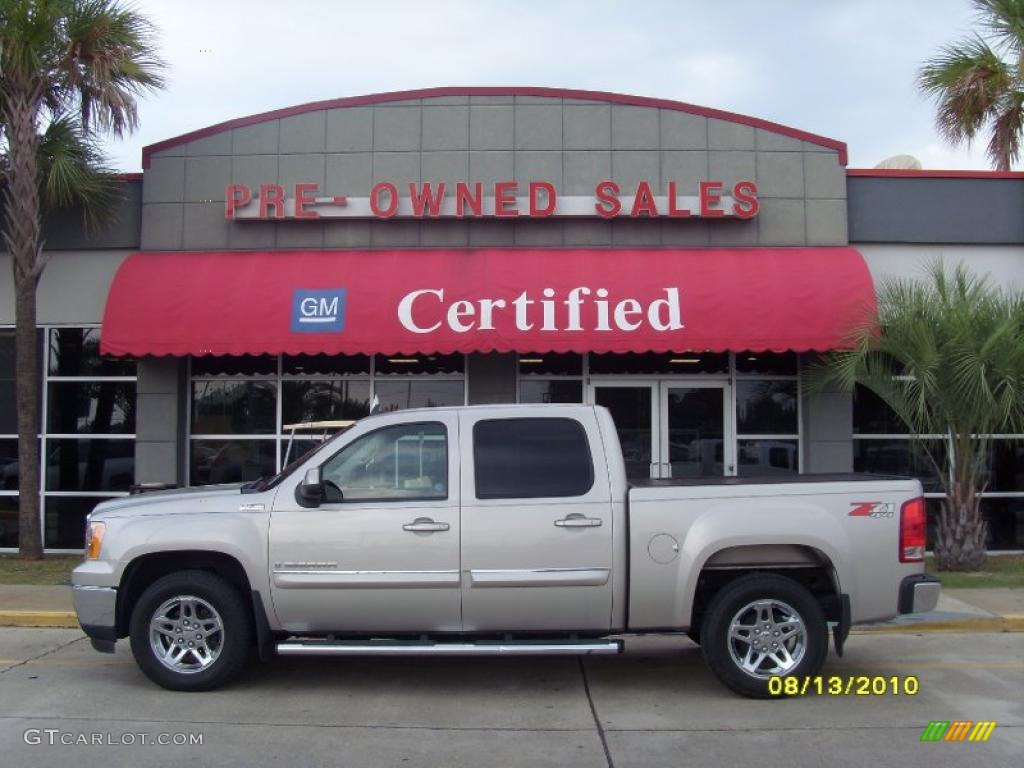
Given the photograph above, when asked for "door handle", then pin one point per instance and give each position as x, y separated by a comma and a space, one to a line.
425, 525
577, 520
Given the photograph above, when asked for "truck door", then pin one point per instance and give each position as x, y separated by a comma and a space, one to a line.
536, 523
382, 551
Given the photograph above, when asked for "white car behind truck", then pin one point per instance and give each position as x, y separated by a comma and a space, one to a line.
497, 530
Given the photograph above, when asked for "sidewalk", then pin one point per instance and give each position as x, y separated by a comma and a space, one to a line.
998, 609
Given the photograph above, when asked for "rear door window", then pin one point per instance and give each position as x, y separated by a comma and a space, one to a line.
531, 458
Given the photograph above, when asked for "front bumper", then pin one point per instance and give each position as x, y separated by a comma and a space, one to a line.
97, 614
919, 593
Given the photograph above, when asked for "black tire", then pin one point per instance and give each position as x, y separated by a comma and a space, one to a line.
694, 634
229, 649
785, 595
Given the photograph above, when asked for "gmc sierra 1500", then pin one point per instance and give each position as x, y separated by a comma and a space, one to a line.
497, 530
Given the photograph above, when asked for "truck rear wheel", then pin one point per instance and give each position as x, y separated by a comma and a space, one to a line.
191, 631
762, 626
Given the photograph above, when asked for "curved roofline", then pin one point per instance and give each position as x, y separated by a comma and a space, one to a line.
430, 93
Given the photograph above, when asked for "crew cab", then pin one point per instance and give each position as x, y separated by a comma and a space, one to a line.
503, 529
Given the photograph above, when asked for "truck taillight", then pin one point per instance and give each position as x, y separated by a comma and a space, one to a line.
912, 531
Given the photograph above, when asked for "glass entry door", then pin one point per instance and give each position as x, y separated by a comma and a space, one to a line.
696, 430
671, 428
635, 409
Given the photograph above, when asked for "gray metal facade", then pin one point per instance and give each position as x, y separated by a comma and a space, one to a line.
570, 143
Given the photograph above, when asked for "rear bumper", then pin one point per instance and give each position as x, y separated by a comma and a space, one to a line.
919, 593
96, 608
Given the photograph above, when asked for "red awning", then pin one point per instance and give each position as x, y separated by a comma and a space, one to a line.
484, 299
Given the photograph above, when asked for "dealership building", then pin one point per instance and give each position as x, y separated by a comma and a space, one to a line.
678, 264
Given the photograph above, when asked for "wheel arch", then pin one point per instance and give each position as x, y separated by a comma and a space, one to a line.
807, 565
146, 569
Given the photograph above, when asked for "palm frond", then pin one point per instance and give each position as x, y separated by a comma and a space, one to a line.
110, 59
74, 173
967, 81
1004, 19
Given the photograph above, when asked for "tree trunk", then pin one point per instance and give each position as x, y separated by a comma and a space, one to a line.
22, 235
960, 537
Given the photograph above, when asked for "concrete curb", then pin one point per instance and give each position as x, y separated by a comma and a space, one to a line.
63, 619
1011, 623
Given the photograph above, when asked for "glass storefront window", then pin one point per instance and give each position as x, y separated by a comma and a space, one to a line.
323, 365
551, 391
779, 364
303, 400
89, 465
419, 364
9, 522
550, 364
1005, 465
871, 416
8, 403
768, 457
94, 407
232, 365
212, 462
637, 363
899, 456
76, 352
766, 407
419, 393
229, 406
9, 464
64, 526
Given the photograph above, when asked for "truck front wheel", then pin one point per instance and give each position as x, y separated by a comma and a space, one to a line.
762, 626
190, 631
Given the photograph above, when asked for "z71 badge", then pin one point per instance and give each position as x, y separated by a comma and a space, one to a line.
873, 509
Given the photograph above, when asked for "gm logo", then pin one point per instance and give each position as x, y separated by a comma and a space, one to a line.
318, 311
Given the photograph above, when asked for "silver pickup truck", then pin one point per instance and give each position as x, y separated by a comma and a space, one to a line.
497, 530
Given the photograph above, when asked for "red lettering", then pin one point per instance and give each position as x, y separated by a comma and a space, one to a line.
304, 197
426, 199
710, 193
673, 208
271, 196
643, 201
375, 193
504, 196
235, 196
550, 198
608, 205
474, 200
745, 203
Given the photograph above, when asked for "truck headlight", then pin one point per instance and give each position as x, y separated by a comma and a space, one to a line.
94, 539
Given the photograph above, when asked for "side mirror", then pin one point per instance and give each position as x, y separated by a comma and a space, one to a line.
310, 492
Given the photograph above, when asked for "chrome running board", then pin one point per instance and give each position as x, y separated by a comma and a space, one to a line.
524, 648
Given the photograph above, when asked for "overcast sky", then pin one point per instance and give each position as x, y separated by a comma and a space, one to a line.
841, 68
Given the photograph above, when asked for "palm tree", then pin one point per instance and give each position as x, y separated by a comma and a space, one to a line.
945, 354
68, 69
978, 83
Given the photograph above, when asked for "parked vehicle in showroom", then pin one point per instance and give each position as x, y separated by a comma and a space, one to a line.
497, 530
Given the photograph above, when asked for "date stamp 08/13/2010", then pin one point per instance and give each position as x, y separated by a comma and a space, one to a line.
850, 685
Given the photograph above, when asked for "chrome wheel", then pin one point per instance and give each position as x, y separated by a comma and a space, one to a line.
186, 634
767, 638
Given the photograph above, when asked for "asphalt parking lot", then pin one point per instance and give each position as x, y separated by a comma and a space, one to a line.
655, 706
